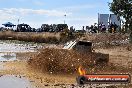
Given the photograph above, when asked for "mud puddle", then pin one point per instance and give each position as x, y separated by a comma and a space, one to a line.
9, 52
17, 46
11, 81
7, 57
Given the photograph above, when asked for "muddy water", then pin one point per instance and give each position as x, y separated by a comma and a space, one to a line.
9, 81
7, 56
15, 46
8, 50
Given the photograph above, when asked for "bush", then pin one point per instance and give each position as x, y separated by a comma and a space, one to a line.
66, 35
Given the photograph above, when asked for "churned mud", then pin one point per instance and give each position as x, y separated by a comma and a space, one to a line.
119, 62
14, 66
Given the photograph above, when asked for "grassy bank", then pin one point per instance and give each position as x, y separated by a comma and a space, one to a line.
62, 37
31, 37
40, 37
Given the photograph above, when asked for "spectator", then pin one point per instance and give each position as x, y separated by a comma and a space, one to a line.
115, 27
100, 27
103, 28
88, 29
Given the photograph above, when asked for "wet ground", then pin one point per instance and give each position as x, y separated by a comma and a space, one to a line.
8, 53
7, 56
17, 46
14, 72
11, 81
9, 50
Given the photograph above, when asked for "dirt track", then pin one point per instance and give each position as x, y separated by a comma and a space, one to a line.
120, 62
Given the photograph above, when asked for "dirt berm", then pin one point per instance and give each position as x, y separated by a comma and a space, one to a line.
62, 61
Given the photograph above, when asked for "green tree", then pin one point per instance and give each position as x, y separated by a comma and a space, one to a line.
123, 8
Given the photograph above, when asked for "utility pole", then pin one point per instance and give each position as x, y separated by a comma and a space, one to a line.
18, 20
64, 19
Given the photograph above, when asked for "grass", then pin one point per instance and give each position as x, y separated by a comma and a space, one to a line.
61, 37
43, 37
30, 36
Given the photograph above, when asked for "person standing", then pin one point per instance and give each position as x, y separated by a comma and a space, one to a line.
115, 27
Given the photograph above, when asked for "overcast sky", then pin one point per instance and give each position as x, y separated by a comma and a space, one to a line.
37, 12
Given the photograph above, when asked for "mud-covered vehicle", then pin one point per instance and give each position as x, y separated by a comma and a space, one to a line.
85, 47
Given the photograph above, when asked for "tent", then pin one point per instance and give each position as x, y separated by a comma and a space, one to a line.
8, 24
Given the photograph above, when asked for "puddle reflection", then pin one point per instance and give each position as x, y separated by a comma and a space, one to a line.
7, 56
9, 81
13, 47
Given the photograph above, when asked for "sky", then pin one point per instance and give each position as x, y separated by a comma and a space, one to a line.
37, 12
